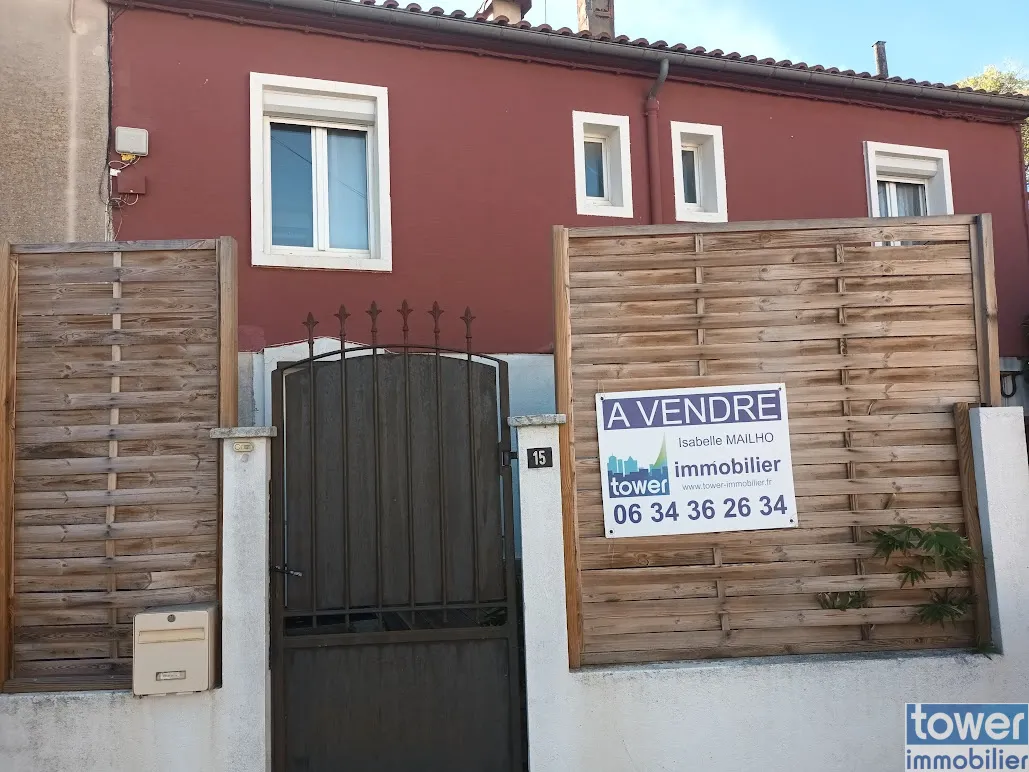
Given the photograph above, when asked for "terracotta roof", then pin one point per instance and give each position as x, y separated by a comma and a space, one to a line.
502, 31
643, 42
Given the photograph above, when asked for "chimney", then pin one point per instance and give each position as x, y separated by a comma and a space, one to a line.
513, 10
597, 17
881, 70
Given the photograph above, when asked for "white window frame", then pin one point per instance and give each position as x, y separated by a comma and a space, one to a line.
613, 132
321, 105
891, 189
907, 163
709, 156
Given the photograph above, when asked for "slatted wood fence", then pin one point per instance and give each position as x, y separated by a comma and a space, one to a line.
117, 361
877, 327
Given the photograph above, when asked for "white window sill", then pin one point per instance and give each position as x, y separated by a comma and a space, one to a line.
603, 210
698, 215
321, 260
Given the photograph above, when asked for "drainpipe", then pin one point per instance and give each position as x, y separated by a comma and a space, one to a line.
653, 107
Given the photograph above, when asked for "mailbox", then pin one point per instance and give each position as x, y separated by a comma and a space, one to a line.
173, 649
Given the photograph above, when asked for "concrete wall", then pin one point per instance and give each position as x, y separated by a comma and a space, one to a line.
216, 731
53, 114
776, 714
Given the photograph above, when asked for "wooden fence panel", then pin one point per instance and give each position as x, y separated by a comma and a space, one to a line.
125, 360
877, 327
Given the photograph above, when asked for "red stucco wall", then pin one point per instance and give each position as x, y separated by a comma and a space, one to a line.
481, 156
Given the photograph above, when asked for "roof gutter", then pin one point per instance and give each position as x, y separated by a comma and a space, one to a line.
417, 20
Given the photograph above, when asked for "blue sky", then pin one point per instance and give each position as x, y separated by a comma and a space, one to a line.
936, 40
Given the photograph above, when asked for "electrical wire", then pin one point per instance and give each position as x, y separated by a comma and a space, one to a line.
105, 184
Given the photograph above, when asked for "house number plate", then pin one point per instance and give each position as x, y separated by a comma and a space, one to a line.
541, 458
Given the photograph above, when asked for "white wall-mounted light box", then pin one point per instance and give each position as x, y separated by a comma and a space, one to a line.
131, 141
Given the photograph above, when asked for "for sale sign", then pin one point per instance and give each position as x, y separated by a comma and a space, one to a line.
699, 460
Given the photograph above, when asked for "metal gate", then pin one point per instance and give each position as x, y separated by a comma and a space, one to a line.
395, 631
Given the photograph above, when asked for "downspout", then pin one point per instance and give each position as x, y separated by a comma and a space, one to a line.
653, 107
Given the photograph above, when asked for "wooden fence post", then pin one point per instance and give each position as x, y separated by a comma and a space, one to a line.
563, 381
8, 353
973, 529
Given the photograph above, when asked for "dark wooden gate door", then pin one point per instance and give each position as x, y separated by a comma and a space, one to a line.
395, 629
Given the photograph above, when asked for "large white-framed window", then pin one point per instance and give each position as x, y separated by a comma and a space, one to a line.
603, 169
907, 181
319, 174
698, 157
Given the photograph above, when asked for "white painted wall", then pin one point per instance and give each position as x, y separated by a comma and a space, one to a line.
788, 714
216, 731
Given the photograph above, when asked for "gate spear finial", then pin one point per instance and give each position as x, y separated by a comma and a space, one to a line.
342, 316
373, 312
436, 313
405, 311
310, 323
468, 319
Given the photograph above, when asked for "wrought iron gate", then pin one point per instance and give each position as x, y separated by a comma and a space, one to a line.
395, 633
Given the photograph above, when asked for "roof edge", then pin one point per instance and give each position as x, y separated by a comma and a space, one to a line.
433, 21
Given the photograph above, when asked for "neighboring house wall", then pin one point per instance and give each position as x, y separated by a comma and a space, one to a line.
482, 166
53, 120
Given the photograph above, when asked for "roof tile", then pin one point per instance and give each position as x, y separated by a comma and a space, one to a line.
659, 44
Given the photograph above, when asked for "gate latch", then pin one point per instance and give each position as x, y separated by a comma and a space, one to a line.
506, 455
287, 571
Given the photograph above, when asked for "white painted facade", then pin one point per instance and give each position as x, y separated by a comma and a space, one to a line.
780, 714
216, 731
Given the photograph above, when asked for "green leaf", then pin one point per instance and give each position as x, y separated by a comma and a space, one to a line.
899, 538
946, 606
911, 575
841, 601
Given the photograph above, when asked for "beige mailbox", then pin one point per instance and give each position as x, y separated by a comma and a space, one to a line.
173, 649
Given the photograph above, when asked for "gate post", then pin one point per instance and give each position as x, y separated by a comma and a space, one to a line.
543, 585
245, 696
1002, 486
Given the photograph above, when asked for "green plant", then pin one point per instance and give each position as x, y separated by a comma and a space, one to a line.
841, 601
911, 575
900, 538
949, 551
944, 606
937, 547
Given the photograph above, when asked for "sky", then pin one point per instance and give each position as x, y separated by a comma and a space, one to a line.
934, 40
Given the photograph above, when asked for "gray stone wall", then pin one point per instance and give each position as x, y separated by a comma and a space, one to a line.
53, 119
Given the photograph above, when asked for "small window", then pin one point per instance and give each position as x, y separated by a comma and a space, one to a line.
603, 174
596, 169
699, 172
320, 174
690, 188
292, 186
906, 181
902, 199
